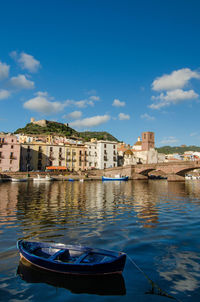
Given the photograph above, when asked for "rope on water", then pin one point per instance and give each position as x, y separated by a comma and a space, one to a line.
153, 284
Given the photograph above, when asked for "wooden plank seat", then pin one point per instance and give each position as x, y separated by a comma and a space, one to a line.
61, 255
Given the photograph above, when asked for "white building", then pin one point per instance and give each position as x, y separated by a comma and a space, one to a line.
101, 154
143, 151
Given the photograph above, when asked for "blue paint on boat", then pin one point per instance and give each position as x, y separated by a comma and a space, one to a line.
123, 178
72, 259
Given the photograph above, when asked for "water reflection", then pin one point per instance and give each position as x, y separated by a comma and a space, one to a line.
155, 222
99, 285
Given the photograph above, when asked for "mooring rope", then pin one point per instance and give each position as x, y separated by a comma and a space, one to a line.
153, 284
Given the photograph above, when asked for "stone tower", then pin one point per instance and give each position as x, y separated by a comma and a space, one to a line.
148, 141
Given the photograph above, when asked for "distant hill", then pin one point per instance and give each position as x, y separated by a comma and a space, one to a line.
50, 128
180, 150
99, 135
55, 128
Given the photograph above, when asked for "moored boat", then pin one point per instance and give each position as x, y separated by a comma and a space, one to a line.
19, 179
39, 178
72, 259
116, 177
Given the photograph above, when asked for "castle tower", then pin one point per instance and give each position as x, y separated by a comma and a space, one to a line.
32, 120
148, 141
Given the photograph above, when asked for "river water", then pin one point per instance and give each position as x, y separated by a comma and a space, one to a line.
155, 222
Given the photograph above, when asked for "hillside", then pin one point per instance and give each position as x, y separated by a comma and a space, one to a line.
55, 128
180, 149
99, 135
50, 128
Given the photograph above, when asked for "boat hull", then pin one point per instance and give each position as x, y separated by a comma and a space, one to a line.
99, 285
19, 179
104, 178
101, 268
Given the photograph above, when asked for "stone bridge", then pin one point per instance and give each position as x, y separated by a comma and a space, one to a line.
177, 168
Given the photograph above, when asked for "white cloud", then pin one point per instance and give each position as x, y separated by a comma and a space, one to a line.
91, 92
81, 104
177, 79
147, 117
94, 98
169, 140
4, 70
194, 134
173, 97
42, 104
21, 82
90, 121
118, 103
123, 116
26, 61
4, 94
73, 115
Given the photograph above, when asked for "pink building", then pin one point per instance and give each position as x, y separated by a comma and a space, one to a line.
9, 153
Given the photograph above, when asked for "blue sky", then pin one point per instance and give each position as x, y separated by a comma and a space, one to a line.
119, 66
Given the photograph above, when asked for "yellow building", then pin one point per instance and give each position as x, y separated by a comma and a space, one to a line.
37, 156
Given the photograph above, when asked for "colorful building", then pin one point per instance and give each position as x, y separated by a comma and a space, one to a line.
38, 156
9, 153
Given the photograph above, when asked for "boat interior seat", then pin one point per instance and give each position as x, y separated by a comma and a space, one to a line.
61, 255
40, 253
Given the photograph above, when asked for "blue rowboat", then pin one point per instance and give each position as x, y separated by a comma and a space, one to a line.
122, 178
72, 259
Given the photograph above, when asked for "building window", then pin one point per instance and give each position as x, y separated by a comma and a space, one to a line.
12, 146
51, 149
28, 150
40, 149
104, 165
60, 163
60, 149
11, 161
104, 145
114, 146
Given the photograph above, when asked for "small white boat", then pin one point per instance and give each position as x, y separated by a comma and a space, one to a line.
19, 179
81, 180
39, 178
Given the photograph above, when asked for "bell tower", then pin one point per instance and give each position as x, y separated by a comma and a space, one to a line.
148, 141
